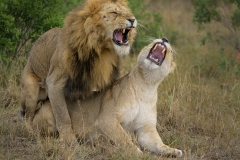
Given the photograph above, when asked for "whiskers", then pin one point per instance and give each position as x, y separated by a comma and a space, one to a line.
140, 26
143, 30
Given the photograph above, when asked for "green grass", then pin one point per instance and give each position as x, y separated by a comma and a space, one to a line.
198, 107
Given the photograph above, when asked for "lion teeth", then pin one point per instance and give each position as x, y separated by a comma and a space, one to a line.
155, 47
155, 59
123, 31
163, 50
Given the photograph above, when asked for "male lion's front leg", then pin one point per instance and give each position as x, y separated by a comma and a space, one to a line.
60, 110
149, 138
113, 130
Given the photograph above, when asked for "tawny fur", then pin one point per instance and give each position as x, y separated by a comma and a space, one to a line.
127, 106
73, 61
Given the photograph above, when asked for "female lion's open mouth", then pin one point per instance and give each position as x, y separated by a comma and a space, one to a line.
157, 53
120, 36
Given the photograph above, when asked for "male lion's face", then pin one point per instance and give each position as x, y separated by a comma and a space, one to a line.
120, 26
157, 56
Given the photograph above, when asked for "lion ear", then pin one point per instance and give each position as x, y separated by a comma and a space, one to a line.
114, 1
122, 2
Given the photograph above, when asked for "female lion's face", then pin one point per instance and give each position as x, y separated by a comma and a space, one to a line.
157, 56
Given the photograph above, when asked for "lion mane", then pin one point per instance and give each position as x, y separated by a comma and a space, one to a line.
90, 58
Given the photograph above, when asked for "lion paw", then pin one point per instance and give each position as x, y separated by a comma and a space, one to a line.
29, 126
171, 152
178, 153
139, 152
69, 139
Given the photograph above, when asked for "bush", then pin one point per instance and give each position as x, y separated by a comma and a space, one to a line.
23, 21
211, 10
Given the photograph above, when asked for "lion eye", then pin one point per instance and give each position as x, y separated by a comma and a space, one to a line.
114, 12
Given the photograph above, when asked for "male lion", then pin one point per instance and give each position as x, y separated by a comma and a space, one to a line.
128, 105
73, 61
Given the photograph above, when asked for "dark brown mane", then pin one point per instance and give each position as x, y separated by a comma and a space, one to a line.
82, 85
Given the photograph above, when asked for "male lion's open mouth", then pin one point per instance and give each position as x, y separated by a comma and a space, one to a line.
157, 53
120, 36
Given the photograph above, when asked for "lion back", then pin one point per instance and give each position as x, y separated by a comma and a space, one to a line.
42, 52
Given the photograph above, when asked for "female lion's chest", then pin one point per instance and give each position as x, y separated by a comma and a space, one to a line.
135, 113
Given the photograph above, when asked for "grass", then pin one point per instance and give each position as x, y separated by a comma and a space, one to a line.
198, 107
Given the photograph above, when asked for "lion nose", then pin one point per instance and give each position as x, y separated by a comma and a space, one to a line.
131, 21
164, 39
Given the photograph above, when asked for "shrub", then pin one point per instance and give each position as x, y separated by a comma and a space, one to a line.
22, 21
207, 11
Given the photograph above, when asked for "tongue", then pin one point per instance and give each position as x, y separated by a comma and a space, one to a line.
118, 36
157, 53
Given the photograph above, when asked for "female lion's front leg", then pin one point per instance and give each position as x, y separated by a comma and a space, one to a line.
149, 138
110, 127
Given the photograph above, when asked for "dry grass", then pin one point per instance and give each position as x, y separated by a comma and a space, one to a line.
198, 107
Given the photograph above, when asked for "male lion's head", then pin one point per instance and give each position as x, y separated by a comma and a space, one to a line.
120, 23
101, 25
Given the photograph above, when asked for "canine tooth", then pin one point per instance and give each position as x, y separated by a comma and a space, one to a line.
123, 30
163, 50
155, 47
